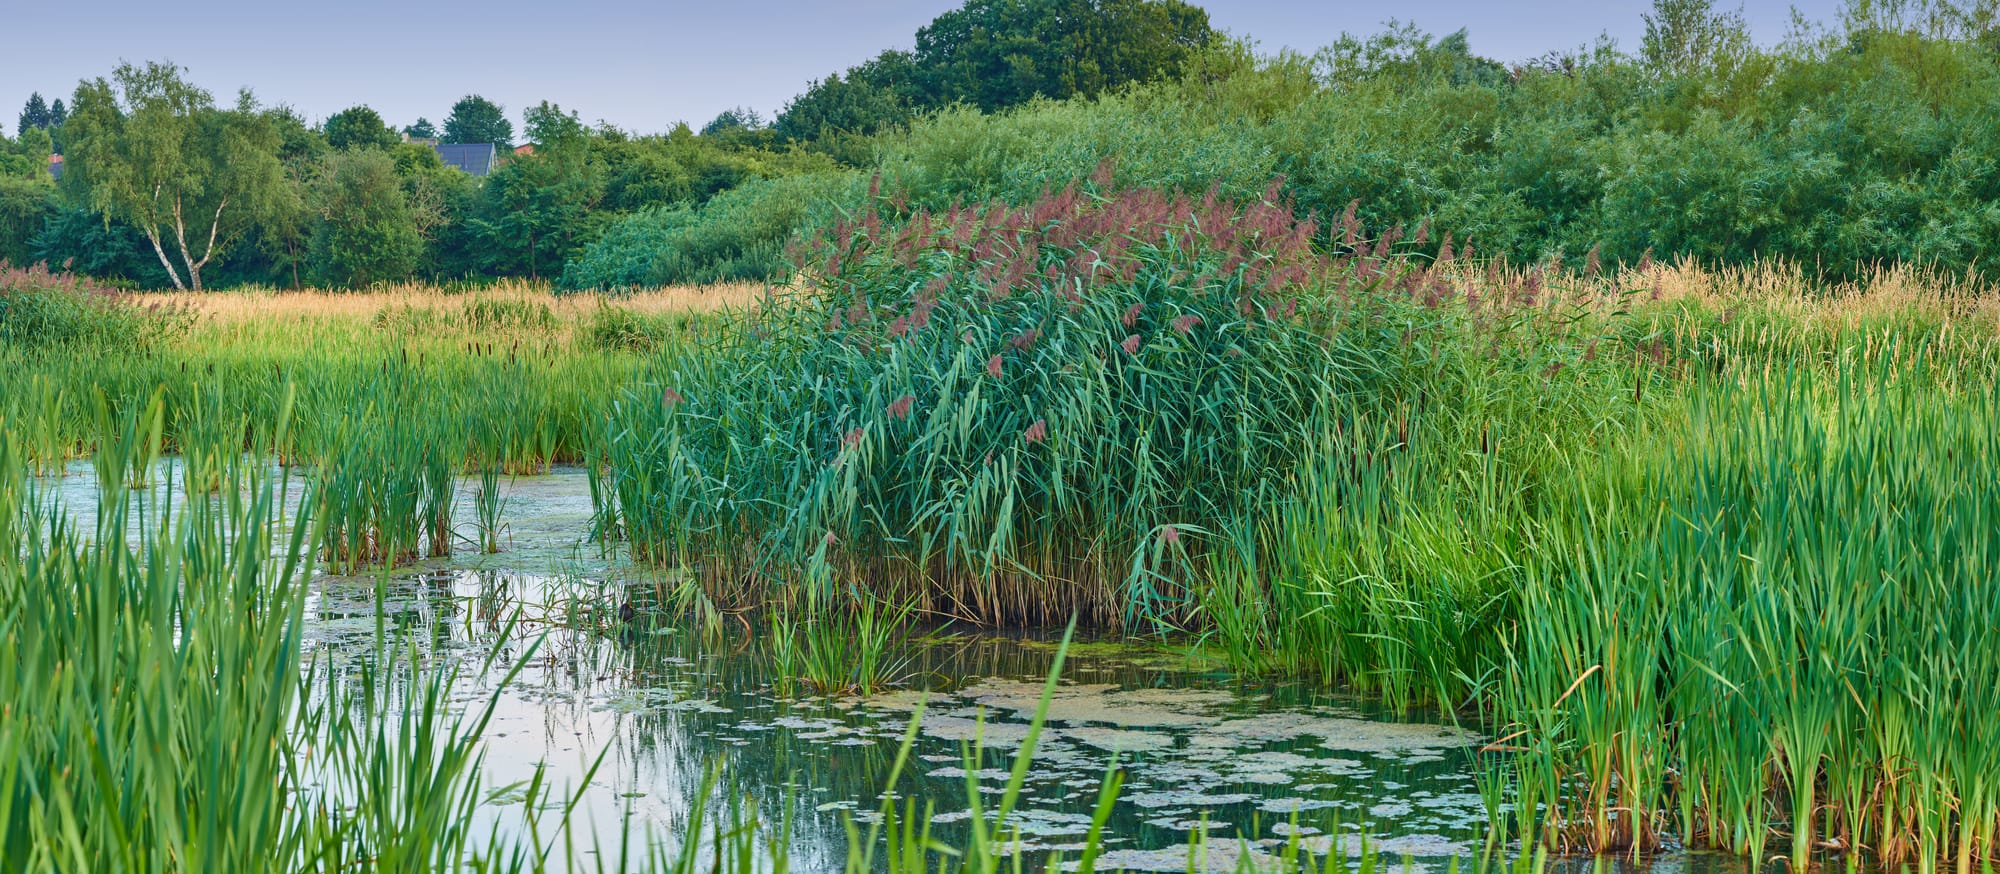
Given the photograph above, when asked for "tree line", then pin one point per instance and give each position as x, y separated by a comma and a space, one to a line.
1855, 142
164, 185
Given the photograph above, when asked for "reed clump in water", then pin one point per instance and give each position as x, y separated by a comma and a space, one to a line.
1012, 414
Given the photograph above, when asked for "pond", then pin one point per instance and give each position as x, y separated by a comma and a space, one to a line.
673, 718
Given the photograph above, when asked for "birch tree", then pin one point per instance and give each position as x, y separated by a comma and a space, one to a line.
152, 149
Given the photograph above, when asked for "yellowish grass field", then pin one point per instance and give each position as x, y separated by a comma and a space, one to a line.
257, 305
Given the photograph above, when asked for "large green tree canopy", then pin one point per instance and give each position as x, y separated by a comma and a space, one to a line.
368, 232
1000, 53
995, 54
475, 119
358, 126
152, 149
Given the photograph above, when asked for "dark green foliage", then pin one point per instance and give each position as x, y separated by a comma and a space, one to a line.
541, 207
35, 114
39, 115
994, 54
999, 53
366, 232
834, 113
1864, 144
79, 240
474, 119
422, 130
739, 235
1839, 157
27, 193
358, 127
25, 206
737, 119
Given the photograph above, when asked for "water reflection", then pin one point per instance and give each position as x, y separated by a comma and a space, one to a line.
1202, 750
671, 717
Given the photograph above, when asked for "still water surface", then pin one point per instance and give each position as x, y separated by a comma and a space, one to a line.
673, 717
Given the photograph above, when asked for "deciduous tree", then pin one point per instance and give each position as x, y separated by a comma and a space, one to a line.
365, 232
1686, 36
1000, 53
540, 206
358, 127
151, 148
475, 119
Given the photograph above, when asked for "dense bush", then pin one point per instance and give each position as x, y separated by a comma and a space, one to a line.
740, 235
367, 233
993, 54
1863, 148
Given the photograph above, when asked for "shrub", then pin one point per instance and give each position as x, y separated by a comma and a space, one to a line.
739, 235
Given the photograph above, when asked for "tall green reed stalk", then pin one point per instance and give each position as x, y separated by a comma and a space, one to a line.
163, 713
1782, 610
998, 413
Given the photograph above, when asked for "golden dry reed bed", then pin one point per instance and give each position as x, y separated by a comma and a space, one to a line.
253, 304
1899, 292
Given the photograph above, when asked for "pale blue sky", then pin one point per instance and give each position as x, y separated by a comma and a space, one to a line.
643, 66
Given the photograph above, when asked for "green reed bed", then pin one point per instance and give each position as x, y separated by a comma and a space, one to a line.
522, 399
163, 712
1005, 414
1716, 570
1776, 625
385, 419
181, 720
1155, 413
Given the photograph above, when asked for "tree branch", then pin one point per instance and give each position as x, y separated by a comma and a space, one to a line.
153, 236
213, 227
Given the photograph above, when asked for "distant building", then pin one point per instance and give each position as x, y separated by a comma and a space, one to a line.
476, 159
55, 167
524, 150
